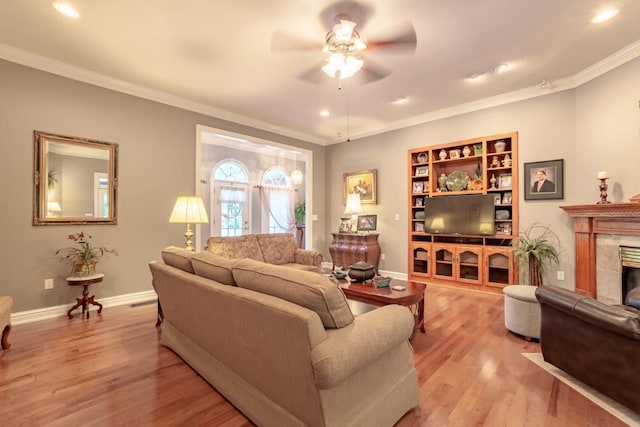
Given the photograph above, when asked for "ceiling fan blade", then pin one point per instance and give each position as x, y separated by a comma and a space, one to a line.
315, 75
283, 42
371, 72
404, 42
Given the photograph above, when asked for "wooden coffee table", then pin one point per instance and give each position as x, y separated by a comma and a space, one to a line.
412, 296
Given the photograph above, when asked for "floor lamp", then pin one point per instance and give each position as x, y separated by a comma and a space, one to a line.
189, 210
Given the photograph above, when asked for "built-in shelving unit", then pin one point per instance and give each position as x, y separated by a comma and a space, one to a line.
491, 165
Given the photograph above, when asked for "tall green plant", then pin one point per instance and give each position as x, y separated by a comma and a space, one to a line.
300, 212
537, 246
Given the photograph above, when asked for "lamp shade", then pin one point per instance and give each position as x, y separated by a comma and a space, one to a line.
353, 204
189, 210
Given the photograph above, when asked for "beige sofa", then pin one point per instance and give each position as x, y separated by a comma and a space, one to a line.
278, 249
282, 345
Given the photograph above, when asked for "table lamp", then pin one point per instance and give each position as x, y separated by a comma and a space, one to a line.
353, 208
189, 210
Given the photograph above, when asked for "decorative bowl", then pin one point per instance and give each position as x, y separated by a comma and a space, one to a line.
381, 282
339, 274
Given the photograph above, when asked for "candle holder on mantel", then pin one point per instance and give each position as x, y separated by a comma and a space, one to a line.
603, 191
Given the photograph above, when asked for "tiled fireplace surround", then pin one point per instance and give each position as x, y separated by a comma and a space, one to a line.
599, 232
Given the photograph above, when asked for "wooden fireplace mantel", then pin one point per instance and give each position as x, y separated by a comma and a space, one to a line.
589, 220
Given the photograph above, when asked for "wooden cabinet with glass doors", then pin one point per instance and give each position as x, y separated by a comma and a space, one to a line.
489, 166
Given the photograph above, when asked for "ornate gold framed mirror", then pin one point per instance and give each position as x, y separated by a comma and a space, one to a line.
75, 180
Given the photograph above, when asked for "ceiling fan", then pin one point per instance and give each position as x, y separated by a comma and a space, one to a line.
344, 49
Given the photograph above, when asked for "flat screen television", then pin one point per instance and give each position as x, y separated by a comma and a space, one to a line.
471, 214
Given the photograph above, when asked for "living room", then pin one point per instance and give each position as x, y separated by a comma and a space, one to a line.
594, 126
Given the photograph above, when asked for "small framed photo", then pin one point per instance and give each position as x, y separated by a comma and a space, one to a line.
418, 187
505, 180
422, 171
544, 180
345, 225
497, 199
419, 202
506, 198
419, 227
367, 222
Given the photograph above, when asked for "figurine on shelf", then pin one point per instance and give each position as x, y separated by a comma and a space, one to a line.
466, 151
442, 182
443, 154
495, 163
493, 182
507, 161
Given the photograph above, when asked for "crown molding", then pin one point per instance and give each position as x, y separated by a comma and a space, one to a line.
28, 59
613, 61
59, 68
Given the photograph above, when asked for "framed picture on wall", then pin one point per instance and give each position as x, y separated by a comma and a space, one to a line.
544, 180
362, 182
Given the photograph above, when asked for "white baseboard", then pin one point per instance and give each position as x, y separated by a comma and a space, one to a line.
61, 310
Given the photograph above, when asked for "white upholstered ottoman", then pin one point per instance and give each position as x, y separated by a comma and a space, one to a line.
522, 310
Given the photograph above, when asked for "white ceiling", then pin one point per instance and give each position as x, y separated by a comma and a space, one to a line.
216, 57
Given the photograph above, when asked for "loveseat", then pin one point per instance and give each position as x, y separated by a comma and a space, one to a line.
277, 248
282, 344
596, 343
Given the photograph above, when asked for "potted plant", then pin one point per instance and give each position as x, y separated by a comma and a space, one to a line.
300, 212
83, 257
537, 247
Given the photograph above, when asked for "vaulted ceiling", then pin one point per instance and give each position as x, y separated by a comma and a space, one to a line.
224, 58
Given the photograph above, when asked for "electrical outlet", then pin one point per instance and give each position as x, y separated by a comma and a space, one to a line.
397, 217
560, 275
48, 283
382, 257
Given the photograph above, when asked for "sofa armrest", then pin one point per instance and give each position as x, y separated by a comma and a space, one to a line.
308, 257
352, 348
612, 318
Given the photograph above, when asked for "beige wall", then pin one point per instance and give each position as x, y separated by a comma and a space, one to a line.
594, 127
157, 160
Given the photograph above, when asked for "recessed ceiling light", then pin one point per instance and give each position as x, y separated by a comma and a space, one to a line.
501, 68
66, 9
324, 113
401, 100
476, 76
605, 15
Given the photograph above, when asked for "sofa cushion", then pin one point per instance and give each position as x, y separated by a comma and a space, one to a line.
214, 267
278, 248
236, 247
311, 290
178, 258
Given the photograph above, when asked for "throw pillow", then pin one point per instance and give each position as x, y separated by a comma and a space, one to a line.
178, 258
214, 267
311, 290
278, 248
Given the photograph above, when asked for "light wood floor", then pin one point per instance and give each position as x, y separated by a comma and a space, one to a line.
110, 370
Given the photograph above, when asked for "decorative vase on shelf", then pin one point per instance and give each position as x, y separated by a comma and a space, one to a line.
443, 154
466, 151
442, 182
493, 181
499, 146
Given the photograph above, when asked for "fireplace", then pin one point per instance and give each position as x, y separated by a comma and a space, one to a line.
615, 225
630, 268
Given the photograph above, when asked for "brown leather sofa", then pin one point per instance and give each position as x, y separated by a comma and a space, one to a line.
596, 343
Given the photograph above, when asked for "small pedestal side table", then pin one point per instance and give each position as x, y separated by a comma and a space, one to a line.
84, 302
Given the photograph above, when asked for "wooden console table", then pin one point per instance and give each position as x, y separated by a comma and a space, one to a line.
348, 248
84, 302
